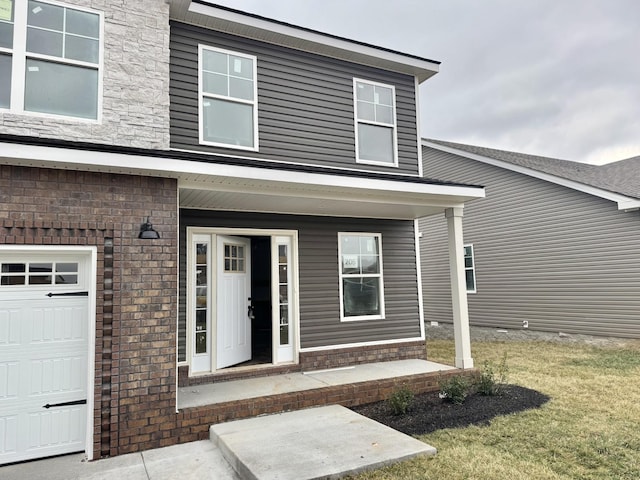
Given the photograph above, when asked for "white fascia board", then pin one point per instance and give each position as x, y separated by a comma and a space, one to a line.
57, 157
624, 203
277, 32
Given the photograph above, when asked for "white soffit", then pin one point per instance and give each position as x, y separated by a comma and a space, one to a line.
291, 36
234, 187
624, 203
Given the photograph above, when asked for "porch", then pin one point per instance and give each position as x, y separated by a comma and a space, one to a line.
200, 406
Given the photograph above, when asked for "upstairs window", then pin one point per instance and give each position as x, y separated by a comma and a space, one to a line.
375, 113
470, 268
50, 59
228, 99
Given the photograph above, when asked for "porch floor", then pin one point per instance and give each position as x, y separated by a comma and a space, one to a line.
234, 390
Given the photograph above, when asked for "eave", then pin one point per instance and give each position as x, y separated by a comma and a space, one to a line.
623, 202
235, 22
234, 187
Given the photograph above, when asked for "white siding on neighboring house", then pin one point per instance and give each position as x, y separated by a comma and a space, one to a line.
135, 91
554, 257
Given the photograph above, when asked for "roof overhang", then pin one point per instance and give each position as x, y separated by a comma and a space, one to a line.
624, 203
235, 22
218, 186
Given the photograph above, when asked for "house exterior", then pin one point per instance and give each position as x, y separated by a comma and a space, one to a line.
191, 194
553, 247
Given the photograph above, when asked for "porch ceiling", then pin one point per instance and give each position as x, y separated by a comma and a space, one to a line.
323, 195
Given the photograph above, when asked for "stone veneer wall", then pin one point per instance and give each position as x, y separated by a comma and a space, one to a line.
135, 100
136, 301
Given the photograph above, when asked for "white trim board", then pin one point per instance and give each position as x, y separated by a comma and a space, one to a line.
624, 203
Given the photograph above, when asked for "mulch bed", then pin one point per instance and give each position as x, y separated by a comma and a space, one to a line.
429, 412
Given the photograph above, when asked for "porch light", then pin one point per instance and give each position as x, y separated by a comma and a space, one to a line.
147, 231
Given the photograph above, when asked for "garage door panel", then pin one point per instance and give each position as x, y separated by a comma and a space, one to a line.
43, 370
9, 324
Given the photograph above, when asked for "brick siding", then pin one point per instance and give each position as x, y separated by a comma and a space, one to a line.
135, 354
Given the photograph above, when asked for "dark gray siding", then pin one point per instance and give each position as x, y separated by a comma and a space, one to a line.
318, 271
562, 260
305, 103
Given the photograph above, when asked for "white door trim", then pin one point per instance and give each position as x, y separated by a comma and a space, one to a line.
91, 254
240, 232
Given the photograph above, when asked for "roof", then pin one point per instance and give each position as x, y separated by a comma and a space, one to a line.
619, 177
243, 24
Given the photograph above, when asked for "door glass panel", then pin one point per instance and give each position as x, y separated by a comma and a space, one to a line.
66, 279
13, 267
16, 280
234, 260
40, 280
202, 299
283, 281
40, 267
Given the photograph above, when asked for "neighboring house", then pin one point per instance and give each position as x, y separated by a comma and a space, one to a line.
555, 246
280, 172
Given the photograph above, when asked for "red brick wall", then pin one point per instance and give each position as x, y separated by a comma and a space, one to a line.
135, 353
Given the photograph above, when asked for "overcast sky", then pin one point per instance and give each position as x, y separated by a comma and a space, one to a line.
558, 78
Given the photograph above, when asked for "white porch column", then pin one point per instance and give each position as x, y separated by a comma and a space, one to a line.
458, 288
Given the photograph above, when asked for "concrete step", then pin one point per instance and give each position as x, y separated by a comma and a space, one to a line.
323, 442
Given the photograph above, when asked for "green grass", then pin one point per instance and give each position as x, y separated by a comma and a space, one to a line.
590, 429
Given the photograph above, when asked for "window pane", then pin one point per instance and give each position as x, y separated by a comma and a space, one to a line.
40, 280
201, 276
14, 268
83, 49
471, 282
228, 122
375, 143
201, 297
240, 88
5, 81
44, 42
384, 114
83, 23
364, 92
6, 10
214, 61
18, 280
61, 89
468, 262
201, 320
383, 96
284, 294
45, 16
282, 274
66, 279
350, 244
40, 267
215, 83
240, 67
369, 264
361, 296
369, 245
6, 35
284, 334
66, 267
366, 111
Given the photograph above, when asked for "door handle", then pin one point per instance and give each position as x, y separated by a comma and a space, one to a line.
68, 294
250, 313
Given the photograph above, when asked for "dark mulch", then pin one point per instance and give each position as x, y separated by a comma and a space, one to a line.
429, 413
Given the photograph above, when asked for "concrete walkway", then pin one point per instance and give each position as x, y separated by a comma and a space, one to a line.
323, 442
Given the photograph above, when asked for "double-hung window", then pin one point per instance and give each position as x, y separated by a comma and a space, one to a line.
50, 57
375, 114
228, 108
470, 269
361, 282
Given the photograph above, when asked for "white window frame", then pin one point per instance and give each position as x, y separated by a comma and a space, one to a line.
19, 56
202, 95
472, 268
379, 275
393, 126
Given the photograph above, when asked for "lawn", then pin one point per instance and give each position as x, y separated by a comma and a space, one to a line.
590, 429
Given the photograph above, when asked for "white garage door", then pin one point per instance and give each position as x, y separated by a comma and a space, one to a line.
43, 354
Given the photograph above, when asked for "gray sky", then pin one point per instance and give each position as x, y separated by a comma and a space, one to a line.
558, 78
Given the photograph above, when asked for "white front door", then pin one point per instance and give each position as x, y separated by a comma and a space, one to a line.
233, 296
43, 355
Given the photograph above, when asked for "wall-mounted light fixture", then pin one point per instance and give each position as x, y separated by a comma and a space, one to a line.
147, 231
